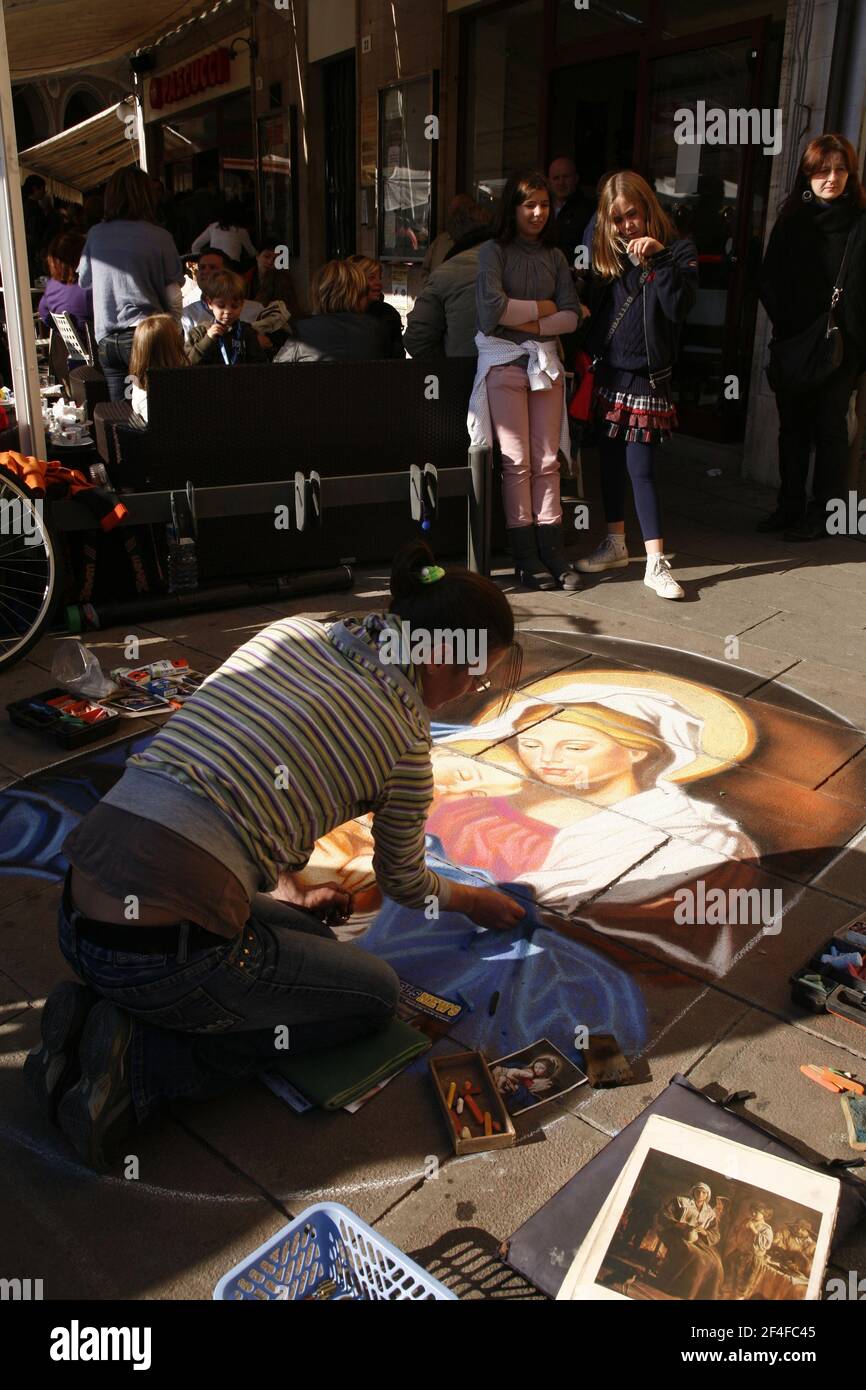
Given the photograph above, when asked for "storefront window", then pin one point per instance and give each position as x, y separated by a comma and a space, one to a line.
597, 17
276, 152
700, 186
505, 73
406, 163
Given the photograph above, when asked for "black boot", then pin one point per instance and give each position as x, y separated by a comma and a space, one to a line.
553, 556
528, 568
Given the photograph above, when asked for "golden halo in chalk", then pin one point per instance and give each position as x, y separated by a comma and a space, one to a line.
728, 734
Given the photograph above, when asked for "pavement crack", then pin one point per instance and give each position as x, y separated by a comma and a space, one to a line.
229, 1163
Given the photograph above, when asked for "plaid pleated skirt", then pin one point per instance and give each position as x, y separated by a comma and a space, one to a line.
627, 407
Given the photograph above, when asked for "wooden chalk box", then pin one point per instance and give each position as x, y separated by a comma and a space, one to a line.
481, 1098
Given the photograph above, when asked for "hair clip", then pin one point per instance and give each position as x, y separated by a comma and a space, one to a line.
430, 573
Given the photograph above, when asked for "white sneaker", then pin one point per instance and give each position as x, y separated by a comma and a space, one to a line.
610, 555
658, 576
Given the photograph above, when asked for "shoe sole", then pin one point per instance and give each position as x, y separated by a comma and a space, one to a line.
588, 567
48, 1066
90, 1114
673, 597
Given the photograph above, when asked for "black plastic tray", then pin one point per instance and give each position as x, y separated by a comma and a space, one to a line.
58, 730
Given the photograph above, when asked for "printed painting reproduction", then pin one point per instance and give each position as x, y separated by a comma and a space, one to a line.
533, 1075
697, 1216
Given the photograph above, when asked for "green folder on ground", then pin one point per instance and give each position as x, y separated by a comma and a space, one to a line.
337, 1076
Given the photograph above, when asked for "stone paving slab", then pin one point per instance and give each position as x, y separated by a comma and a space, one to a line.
697, 1017
29, 952
171, 1233
366, 1161
845, 877
25, 752
836, 641
762, 975
659, 644
710, 605
848, 783
843, 693
214, 633
758, 1055
20, 891
495, 1191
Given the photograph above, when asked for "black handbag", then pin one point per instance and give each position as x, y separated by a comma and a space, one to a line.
805, 361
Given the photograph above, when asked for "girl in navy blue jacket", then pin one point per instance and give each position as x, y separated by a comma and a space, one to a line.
644, 281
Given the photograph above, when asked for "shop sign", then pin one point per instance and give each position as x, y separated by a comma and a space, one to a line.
210, 70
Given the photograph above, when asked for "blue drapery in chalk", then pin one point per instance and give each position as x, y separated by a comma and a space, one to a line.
547, 984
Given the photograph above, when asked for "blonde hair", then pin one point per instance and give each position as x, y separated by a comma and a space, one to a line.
367, 264
606, 258
158, 342
338, 287
624, 729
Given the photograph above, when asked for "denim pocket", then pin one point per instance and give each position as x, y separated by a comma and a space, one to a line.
195, 1012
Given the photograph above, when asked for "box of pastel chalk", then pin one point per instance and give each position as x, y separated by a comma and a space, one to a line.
833, 980
474, 1110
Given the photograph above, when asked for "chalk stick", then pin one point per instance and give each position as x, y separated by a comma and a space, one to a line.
474, 1108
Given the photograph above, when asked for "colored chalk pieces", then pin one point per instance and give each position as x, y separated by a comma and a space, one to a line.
469, 1097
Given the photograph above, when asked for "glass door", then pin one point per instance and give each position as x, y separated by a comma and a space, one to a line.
715, 193
592, 115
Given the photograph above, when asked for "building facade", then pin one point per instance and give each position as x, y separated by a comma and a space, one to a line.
348, 125
515, 83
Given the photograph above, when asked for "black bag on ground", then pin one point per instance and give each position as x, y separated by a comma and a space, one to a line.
807, 360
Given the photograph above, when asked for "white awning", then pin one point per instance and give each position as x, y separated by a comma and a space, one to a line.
79, 159
50, 36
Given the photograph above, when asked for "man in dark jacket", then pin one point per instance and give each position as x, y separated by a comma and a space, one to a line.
570, 209
442, 322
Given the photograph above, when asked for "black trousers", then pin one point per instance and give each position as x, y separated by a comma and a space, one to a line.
819, 418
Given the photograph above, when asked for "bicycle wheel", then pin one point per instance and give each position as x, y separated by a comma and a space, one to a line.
28, 570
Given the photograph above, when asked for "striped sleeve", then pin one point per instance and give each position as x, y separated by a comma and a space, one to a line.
399, 821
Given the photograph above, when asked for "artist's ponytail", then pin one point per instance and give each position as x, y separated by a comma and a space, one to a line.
428, 598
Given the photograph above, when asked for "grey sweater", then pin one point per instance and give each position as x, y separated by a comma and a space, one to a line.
128, 265
443, 319
522, 270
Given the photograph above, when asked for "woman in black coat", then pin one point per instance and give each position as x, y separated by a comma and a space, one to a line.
339, 328
825, 214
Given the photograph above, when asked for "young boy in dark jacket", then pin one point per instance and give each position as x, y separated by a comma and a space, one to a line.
227, 341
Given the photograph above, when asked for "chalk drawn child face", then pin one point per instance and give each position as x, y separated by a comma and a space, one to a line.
566, 755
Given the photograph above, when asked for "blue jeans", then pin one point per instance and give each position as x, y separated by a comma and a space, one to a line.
114, 351
206, 1018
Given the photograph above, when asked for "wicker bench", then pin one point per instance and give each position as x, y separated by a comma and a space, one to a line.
248, 430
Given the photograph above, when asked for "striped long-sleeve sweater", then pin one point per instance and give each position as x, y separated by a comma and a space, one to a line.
301, 730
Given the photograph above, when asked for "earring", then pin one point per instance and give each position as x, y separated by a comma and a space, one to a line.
807, 195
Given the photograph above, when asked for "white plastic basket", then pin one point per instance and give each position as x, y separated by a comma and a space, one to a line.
328, 1245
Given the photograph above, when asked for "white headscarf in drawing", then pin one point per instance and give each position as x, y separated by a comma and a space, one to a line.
667, 719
